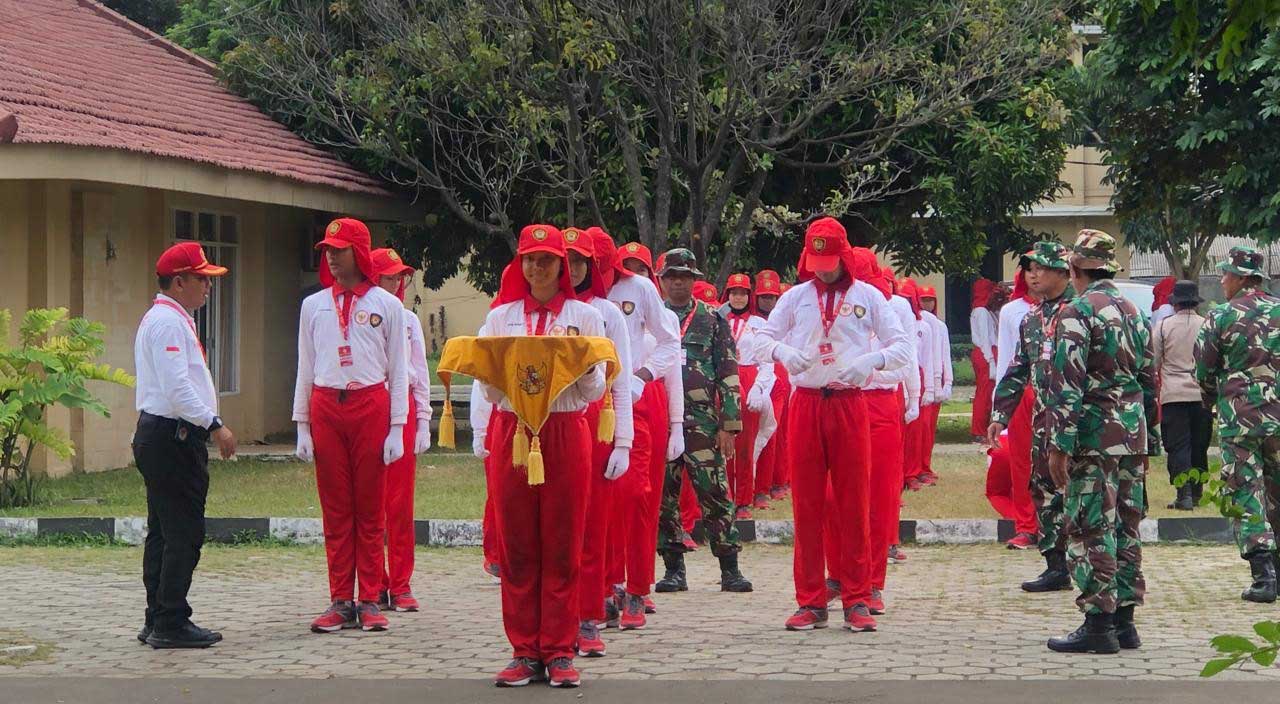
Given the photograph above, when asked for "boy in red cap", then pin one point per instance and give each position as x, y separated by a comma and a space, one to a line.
756, 378
351, 403
914, 439
942, 378
540, 528
393, 274
773, 473
825, 332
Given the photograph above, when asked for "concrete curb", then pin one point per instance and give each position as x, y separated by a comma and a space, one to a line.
436, 532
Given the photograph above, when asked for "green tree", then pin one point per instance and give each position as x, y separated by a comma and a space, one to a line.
156, 15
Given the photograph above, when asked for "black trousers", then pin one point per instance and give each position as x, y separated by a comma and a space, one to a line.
1187, 427
174, 462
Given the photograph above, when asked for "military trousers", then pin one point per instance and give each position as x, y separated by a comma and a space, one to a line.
1104, 506
1251, 469
1049, 502
705, 466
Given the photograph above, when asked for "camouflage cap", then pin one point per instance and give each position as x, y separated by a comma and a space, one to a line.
1050, 254
679, 261
1095, 249
1245, 261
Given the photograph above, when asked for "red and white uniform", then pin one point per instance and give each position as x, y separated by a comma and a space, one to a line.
940, 368
755, 376
1018, 439
984, 329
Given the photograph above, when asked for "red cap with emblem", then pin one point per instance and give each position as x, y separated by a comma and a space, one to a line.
341, 234
579, 241
825, 246
533, 238
742, 282
187, 258
387, 263
705, 291
768, 283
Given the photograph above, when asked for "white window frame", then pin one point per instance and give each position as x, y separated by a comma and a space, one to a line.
228, 255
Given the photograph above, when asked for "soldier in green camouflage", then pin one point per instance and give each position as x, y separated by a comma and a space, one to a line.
1049, 279
711, 421
1237, 363
1102, 411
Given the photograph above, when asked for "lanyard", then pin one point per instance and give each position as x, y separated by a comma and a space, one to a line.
740, 325
528, 322
827, 324
187, 316
344, 310
688, 319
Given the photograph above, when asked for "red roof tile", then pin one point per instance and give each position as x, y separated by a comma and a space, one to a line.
74, 72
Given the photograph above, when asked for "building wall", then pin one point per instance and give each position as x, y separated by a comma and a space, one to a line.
457, 308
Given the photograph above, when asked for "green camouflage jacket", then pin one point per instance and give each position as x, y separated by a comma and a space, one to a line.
1101, 386
1030, 364
710, 370
1237, 361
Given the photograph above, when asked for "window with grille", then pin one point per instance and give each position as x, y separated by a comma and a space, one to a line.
217, 322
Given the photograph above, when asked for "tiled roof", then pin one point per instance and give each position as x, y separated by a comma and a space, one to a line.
76, 73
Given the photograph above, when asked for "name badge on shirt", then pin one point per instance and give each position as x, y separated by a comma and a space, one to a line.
344, 356
684, 357
1046, 350
826, 353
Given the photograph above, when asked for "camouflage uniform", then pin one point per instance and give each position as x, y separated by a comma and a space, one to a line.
711, 404
1102, 392
1237, 363
1030, 366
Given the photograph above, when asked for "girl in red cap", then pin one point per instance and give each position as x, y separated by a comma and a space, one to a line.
942, 378
773, 473
540, 528
914, 439
393, 274
983, 328
756, 379
1017, 458
351, 403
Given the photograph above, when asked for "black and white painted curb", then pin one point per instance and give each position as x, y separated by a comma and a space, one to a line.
459, 533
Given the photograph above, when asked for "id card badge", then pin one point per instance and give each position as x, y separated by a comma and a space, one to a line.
684, 357
826, 353
344, 356
1046, 350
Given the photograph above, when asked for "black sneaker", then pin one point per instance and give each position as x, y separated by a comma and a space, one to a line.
142, 634
189, 636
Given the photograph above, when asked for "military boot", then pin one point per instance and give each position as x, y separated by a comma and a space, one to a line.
1096, 635
731, 580
674, 579
1184, 500
1197, 492
1263, 566
1126, 632
1055, 577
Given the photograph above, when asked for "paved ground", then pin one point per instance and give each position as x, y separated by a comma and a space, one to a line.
955, 613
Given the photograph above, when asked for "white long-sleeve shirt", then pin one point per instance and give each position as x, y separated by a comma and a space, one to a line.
1011, 316
1161, 313
173, 379
374, 351
746, 334
942, 354
908, 375
419, 372
643, 310
927, 351
860, 318
615, 328
673, 380
983, 327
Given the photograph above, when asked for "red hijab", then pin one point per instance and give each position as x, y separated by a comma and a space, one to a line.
825, 240
867, 269
982, 289
606, 255
341, 234
705, 291
909, 290
1020, 289
1162, 291
534, 238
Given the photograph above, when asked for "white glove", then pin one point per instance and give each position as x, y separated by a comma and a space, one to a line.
946, 393
927, 399
619, 463
675, 443
306, 447
637, 389
491, 393
913, 412
477, 446
859, 371
794, 360
991, 370
756, 398
422, 440
393, 446
591, 385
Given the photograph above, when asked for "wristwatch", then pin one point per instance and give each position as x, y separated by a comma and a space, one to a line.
217, 423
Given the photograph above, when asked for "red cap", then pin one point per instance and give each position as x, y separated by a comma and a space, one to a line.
928, 292
580, 241
576, 240
533, 238
705, 291
341, 234
636, 251
387, 263
738, 281
825, 245
768, 283
187, 258
541, 238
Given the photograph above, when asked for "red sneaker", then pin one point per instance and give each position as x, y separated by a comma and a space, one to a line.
612, 613
649, 606
404, 602
1022, 541
632, 613
857, 618
761, 503
896, 555
384, 599
519, 672
562, 673
914, 484
491, 569
339, 615
833, 590
590, 644
371, 618
779, 493
743, 514
807, 618
876, 603
689, 543
928, 478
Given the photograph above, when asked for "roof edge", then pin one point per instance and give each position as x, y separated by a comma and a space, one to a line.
159, 39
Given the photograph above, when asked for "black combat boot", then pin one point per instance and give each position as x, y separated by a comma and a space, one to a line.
1184, 502
1096, 635
731, 580
1263, 566
1126, 632
673, 580
1197, 491
1055, 577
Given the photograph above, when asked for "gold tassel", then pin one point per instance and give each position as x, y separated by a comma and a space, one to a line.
608, 420
537, 474
448, 430
520, 447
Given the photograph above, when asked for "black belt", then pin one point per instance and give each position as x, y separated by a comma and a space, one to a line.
182, 430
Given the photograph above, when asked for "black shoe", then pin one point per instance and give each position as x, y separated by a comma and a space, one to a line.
1055, 578
1126, 632
1183, 502
674, 579
1263, 589
1197, 492
189, 636
142, 635
1096, 635
731, 580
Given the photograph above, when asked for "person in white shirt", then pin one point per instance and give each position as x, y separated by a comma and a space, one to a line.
914, 438
540, 527
773, 468
1022, 302
832, 333
984, 328
1161, 306
755, 379
351, 403
177, 414
942, 379
396, 594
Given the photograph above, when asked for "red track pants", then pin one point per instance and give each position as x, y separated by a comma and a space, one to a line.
830, 446
398, 504
540, 529
982, 393
592, 587
741, 469
772, 469
1023, 506
633, 541
349, 429
489, 534
930, 416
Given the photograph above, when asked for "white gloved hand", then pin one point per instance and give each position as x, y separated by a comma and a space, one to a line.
306, 447
477, 446
422, 439
913, 412
991, 370
592, 384
927, 399
637, 389
794, 360
675, 443
946, 393
619, 463
859, 371
393, 446
756, 398
491, 393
